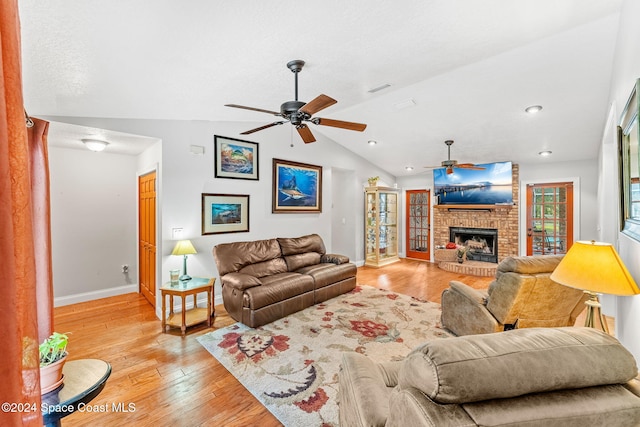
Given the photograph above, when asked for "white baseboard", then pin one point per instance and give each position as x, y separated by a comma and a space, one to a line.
90, 296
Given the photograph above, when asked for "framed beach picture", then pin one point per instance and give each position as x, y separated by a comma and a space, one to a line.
225, 213
235, 158
297, 187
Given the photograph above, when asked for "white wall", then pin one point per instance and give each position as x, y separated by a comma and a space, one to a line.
93, 224
626, 69
183, 177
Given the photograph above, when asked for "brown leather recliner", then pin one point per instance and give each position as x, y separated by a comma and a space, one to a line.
521, 296
266, 280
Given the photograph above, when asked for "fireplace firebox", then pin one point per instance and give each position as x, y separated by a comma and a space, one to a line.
482, 243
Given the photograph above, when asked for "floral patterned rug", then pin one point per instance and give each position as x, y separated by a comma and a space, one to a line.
291, 365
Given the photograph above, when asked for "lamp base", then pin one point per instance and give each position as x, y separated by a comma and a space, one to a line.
594, 312
185, 278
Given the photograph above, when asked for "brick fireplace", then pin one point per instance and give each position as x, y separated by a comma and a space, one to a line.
503, 219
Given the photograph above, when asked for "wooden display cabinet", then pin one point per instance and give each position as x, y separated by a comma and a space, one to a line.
381, 226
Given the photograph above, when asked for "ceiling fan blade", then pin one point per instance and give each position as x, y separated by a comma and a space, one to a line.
340, 124
318, 103
275, 113
261, 128
469, 166
305, 133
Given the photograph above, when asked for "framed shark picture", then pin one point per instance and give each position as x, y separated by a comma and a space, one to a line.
225, 213
297, 187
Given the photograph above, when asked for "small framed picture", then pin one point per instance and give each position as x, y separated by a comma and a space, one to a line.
297, 187
225, 213
235, 158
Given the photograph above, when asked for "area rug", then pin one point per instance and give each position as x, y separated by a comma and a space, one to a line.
291, 365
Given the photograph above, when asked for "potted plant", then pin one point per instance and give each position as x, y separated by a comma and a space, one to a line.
373, 181
53, 354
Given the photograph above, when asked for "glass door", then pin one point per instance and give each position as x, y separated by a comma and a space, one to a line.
549, 218
418, 224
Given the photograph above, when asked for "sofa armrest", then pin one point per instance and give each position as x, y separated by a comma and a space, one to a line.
468, 292
464, 312
240, 281
335, 259
364, 390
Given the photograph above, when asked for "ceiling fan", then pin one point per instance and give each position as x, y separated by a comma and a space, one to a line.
298, 112
450, 164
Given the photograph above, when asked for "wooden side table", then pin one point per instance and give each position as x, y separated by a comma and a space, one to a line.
192, 316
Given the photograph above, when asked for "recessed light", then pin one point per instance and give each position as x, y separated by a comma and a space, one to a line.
545, 153
372, 142
533, 109
408, 168
95, 144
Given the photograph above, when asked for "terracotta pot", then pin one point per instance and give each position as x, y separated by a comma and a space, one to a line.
51, 376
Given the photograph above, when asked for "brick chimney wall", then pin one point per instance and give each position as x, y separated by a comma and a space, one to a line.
502, 218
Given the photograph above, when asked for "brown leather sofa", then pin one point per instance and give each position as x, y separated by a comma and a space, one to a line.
536, 377
265, 280
521, 296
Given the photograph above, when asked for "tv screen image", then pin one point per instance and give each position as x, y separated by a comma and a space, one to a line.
488, 186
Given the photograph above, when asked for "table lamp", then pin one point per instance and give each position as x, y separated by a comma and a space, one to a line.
184, 247
595, 267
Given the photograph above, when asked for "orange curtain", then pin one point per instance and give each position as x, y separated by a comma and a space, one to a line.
19, 367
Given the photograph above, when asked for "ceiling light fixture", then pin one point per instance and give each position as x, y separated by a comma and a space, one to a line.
545, 153
372, 142
95, 144
533, 109
379, 88
408, 168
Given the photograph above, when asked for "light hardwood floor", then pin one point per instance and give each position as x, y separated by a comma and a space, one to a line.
173, 380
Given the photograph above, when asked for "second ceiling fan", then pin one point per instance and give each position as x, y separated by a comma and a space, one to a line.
298, 112
450, 164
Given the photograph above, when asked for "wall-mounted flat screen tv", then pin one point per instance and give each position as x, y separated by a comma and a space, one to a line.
488, 186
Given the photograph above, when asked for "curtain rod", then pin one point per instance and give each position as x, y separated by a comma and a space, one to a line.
27, 119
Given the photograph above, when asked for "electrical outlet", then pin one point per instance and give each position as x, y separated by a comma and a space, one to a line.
125, 268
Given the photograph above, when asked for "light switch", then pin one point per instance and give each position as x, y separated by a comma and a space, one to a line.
176, 233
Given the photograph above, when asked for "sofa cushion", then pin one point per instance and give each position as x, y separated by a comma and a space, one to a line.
277, 288
300, 245
232, 257
295, 262
514, 363
240, 281
326, 274
265, 268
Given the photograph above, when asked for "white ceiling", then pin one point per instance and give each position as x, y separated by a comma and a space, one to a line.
470, 67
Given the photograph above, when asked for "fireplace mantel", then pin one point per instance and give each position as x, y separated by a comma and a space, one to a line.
474, 207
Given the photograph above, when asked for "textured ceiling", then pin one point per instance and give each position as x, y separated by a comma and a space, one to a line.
469, 67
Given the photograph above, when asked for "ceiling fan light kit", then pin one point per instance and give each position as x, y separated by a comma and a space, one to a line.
298, 112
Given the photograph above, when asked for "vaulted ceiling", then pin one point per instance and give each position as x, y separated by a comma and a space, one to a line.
456, 69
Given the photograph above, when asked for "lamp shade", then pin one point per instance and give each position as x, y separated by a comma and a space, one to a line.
595, 267
184, 247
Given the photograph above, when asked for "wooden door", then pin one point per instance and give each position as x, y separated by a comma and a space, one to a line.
549, 218
147, 236
418, 224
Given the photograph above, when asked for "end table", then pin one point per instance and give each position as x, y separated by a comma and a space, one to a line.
192, 316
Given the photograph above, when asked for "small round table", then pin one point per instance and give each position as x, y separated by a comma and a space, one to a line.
84, 379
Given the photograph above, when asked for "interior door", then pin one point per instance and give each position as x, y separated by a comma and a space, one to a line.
549, 218
147, 236
418, 222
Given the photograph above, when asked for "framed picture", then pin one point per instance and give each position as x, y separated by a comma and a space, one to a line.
225, 213
297, 187
235, 158
629, 164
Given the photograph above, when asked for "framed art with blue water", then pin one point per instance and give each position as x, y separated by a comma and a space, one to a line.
225, 213
297, 187
235, 158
